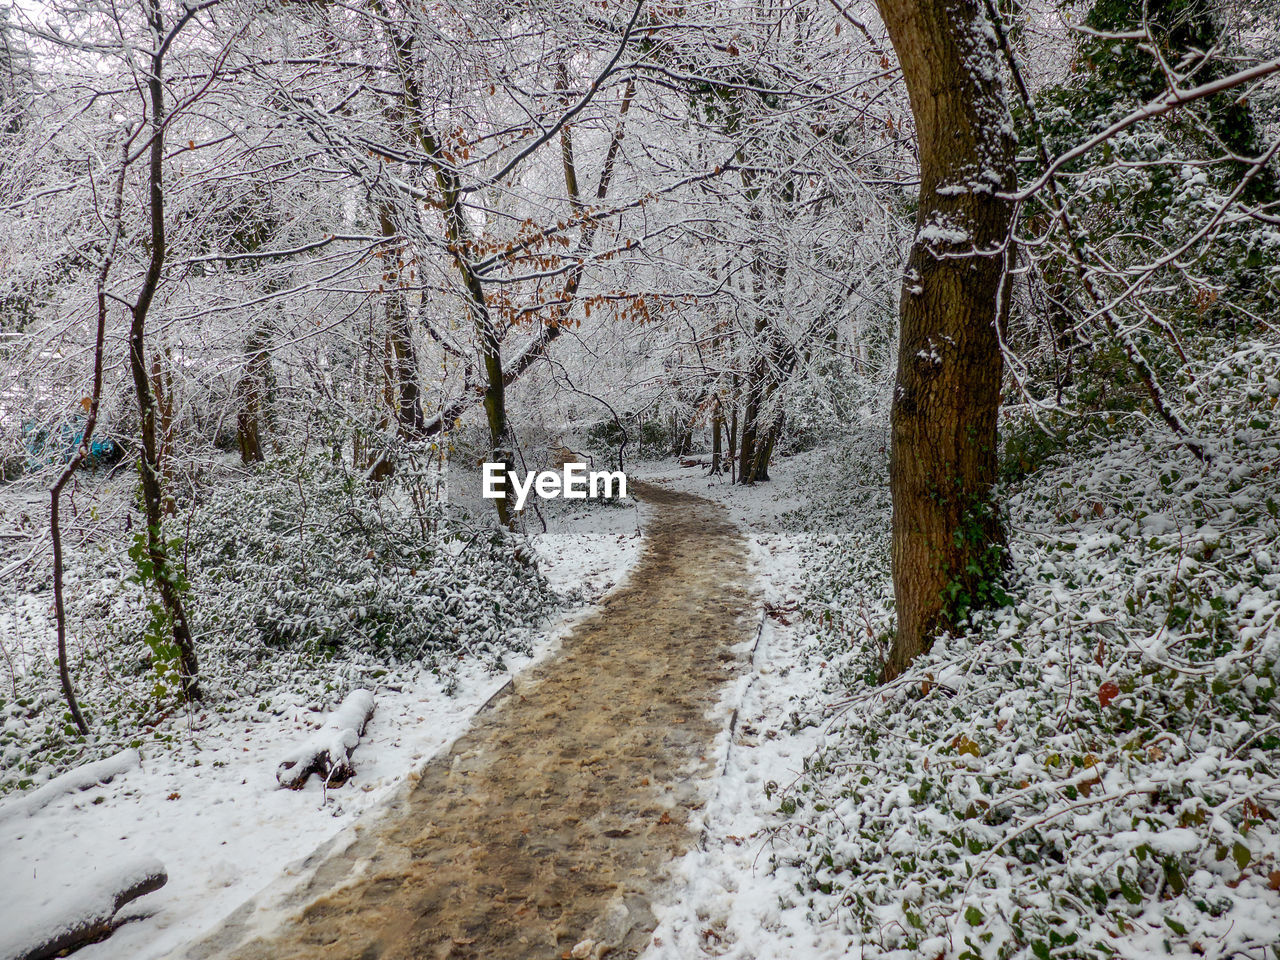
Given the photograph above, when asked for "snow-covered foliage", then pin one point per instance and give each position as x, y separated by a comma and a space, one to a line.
316, 557
301, 579
1090, 771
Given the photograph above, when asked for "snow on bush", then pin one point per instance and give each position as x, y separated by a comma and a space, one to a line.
303, 581
1094, 770
314, 557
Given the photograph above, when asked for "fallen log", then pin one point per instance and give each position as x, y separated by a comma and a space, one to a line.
81, 778
327, 752
83, 916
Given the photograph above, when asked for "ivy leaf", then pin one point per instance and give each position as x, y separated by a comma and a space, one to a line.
1240, 853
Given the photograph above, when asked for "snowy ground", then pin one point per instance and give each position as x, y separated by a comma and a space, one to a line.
725, 899
1089, 770
210, 810
758, 877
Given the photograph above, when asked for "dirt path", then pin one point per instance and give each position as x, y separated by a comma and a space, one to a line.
552, 821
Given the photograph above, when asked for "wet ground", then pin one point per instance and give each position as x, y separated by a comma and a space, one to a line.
548, 827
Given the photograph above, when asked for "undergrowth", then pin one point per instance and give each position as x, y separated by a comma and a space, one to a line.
302, 581
1092, 770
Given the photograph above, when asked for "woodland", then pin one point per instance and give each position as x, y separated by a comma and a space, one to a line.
982, 294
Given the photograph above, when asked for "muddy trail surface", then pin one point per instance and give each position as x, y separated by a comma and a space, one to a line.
548, 827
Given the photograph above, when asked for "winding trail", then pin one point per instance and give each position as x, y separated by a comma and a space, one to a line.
551, 823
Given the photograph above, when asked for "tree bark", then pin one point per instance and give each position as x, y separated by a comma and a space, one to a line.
255, 389
947, 538
152, 490
461, 247
733, 439
86, 441
717, 429
750, 414
402, 359
764, 449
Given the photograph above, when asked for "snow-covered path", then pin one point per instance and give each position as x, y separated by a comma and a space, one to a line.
546, 829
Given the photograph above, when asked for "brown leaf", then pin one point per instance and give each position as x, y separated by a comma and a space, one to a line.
173, 796
1106, 693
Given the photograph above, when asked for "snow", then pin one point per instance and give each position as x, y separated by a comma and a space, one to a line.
849, 819
211, 808
939, 233
724, 901
45, 911
81, 778
816, 763
332, 744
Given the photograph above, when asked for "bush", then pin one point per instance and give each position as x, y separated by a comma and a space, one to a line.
301, 580
307, 556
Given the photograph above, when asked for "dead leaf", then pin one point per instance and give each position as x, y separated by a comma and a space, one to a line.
1106, 693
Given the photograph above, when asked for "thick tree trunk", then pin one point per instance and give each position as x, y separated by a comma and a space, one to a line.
164, 575
764, 449
747, 444
947, 540
255, 389
733, 441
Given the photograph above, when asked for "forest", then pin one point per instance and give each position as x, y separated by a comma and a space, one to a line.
926, 353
